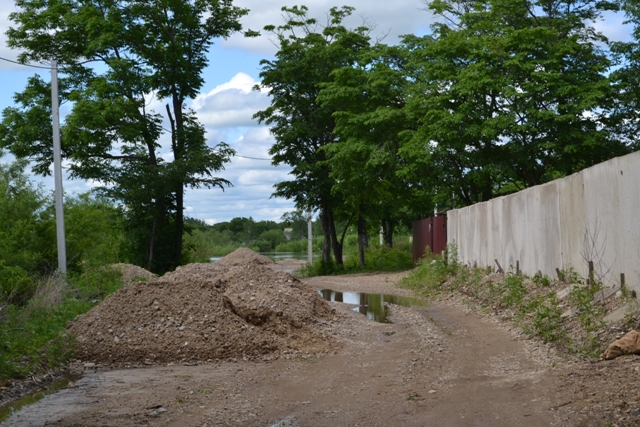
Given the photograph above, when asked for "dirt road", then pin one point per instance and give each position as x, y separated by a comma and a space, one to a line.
433, 366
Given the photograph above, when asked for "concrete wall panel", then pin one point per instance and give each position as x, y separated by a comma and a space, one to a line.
572, 221
544, 227
629, 226
601, 236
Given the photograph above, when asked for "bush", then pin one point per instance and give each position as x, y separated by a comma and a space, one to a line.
294, 246
32, 337
433, 271
261, 246
380, 258
16, 287
546, 321
274, 237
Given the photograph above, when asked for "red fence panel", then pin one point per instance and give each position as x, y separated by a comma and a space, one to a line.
439, 233
430, 232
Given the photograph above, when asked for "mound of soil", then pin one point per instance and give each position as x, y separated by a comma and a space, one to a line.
205, 312
243, 256
132, 273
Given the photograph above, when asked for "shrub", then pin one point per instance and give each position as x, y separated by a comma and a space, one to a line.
32, 336
16, 287
380, 258
433, 271
546, 322
294, 246
274, 237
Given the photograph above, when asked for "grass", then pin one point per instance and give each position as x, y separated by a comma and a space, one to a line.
32, 337
531, 303
377, 258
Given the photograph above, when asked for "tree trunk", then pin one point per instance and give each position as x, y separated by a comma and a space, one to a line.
362, 237
335, 243
177, 145
153, 239
387, 229
326, 232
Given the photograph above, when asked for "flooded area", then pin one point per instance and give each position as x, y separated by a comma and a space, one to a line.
9, 409
303, 256
374, 306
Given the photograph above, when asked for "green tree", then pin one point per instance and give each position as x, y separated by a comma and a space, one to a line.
308, 53
27, 239
371, 123
625, 112
154, 47
508, 95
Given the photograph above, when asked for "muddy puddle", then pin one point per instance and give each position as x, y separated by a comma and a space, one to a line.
10, 408
374, 306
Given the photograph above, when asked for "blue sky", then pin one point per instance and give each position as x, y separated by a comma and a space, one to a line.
227, 104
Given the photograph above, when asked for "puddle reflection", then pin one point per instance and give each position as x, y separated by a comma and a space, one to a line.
372, 305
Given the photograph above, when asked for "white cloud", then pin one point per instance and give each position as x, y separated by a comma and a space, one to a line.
394, 18
6, 7
262, 177
231, 104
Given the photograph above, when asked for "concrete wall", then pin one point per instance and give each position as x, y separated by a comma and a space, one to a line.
591, 215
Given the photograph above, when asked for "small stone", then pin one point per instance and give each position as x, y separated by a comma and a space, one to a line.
431, 391
157, 412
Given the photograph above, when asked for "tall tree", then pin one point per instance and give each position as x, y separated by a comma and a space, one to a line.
509, 94
147, 49
369, 99
308, 53
625, 113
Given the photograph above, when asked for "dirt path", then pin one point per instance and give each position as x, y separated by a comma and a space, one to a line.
435, 366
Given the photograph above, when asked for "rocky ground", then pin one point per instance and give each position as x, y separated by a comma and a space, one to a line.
443, 364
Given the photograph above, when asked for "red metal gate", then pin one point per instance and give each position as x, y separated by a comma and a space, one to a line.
430, 232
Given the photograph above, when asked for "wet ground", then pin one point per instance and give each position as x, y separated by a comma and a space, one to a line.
422, 365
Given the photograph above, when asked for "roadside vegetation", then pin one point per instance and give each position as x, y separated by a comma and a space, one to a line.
561, 312
379, 258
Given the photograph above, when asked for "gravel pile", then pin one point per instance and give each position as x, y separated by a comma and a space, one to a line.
132, 273
203, 312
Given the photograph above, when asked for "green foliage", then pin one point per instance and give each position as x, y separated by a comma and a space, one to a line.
381, 258
203, 241
546, 322
16, 287
273, 238
507, 98
110, 135
543, 281
512, 291
582, 302
32, 337
322, 268
294, 246
95, 233
27, 239
300, 125
432, 272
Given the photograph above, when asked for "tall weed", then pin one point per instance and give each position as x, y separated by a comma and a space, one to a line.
32, 335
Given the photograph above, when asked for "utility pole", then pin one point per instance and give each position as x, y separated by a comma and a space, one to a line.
309, 240
57, 170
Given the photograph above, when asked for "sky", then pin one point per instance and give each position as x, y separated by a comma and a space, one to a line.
226, 103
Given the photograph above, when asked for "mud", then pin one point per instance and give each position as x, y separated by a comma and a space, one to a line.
434, 365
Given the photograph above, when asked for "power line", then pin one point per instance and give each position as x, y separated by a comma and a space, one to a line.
252, 158
26, 65
61, 67
49, 68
